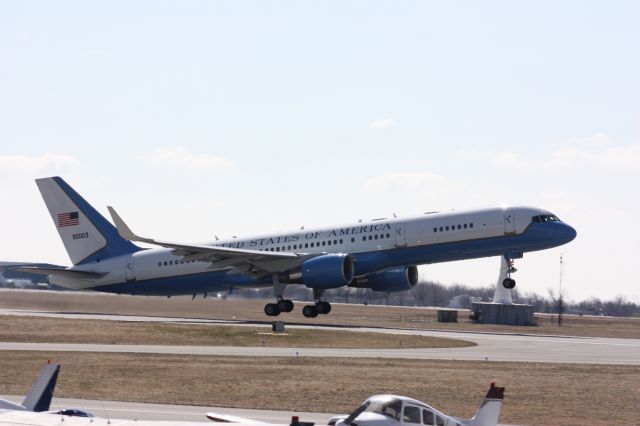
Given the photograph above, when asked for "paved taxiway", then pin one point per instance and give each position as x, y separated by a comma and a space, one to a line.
490, 346
192, 413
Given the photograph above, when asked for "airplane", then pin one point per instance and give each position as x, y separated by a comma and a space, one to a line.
382, 254
393, 410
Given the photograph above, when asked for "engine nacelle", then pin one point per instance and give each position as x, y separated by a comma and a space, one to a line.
328, 271
391, 280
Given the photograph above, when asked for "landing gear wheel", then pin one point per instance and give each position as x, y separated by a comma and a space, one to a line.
509, 283
310, 311
285, 305
323, 307
271, 309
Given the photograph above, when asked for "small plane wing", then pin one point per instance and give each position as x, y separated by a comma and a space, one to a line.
220, 257
65, 273
224, 418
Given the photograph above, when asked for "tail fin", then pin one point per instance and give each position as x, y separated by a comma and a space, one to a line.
39, 397
41, 393
86, 234
489, 411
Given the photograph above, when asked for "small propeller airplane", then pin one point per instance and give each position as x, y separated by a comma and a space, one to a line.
393, 410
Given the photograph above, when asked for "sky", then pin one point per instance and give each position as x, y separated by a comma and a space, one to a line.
204, 118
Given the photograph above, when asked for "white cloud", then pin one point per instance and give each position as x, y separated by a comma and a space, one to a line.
595, 151
428, 189
509, 159
385, 123
31, 164
181, 158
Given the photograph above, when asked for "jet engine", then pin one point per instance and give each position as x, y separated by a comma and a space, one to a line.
331, 270
390, 280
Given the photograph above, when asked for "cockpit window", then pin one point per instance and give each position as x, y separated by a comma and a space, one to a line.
387, 406
545, 218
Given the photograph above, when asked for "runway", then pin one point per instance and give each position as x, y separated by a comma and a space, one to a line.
489, 346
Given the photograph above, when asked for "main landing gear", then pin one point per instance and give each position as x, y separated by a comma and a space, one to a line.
282, 304
509, 282
320, 308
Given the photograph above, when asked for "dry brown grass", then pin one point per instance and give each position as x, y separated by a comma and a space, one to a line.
59, 330
536, 393
251, 310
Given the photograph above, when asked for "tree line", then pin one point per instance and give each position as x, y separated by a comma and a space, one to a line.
430, 293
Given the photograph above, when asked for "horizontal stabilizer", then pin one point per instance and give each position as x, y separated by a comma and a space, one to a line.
65, 273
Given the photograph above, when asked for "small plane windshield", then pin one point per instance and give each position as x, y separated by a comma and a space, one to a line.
388, 406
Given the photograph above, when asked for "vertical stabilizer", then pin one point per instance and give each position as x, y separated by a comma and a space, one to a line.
41, 393
86, 234
489, 411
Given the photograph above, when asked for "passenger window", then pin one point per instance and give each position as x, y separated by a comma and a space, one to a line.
364, 238
311, 244
306, 245
388, 235
411, 414
370, 237
439, 421
353, 240
277, 248
375, 236
340, 240
459, 226
446, 228
465, 226
329, 242
171, 262
441, 229
323, 243
471, 225
335, 242
435, 229
427, 418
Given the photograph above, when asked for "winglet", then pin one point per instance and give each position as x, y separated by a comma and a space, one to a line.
41, 393
123, 229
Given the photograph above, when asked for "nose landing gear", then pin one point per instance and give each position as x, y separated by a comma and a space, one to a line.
509, 282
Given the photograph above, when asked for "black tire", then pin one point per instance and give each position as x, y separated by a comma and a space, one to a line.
509, 283
289, 305
310, 311
283, 306
323, 307
271, 309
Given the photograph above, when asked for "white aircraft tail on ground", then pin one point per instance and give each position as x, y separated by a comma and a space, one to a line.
39, 397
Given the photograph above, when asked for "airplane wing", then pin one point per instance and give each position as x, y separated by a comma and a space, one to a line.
224, 418
65, 273
220, 257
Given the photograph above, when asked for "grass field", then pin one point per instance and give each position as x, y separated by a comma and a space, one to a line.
536, 394
251, 310
58, 330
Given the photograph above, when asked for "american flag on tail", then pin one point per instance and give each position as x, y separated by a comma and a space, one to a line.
68, 219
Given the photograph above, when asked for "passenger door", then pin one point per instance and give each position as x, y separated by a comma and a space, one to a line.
129, 270
400, 237
509, 222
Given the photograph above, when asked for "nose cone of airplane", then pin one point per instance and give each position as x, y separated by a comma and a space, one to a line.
567, 233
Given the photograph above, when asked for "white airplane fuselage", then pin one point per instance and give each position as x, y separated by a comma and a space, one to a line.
375, 246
